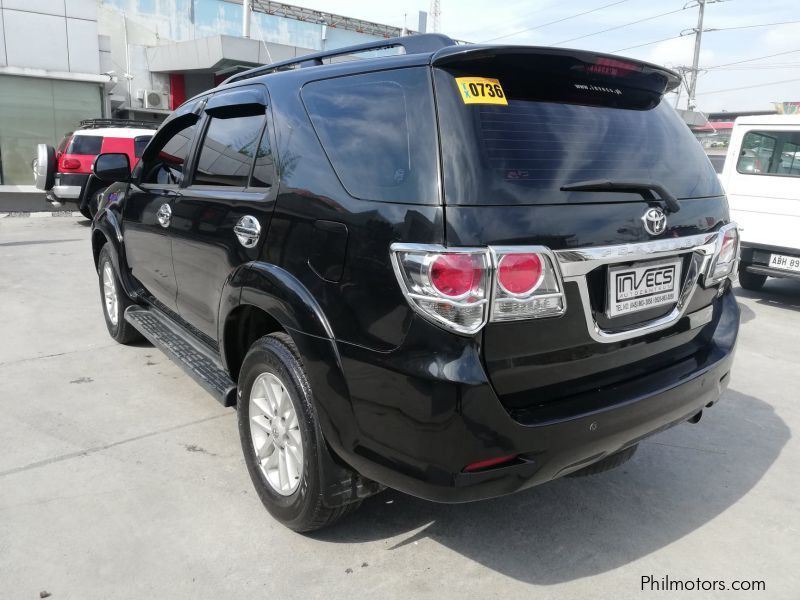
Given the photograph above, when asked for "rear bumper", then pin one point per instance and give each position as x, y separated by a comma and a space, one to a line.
755, 259
422, 416
69, 186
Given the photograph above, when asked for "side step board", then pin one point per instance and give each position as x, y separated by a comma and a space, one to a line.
184, 350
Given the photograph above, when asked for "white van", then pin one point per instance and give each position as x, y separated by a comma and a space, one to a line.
762, 179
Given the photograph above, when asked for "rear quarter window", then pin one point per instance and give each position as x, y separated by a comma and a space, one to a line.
85, 144
379, 133
140, 143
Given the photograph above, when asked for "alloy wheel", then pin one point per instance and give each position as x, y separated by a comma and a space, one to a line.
275, 433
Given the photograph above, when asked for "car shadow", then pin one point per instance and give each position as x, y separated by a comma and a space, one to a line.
577, 527
776, 292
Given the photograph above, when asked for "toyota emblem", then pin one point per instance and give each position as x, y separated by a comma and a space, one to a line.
655, 221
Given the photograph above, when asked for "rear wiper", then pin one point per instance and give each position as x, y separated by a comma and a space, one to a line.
645, 188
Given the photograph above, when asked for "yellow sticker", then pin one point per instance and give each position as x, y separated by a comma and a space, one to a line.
481, 90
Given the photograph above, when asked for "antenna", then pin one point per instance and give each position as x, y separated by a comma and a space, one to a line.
436, 15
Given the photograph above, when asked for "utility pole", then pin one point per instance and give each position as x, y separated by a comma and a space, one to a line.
698, 36
247, 9
436, 15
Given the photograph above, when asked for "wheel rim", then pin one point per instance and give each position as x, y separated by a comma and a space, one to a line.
275, 433
110, 294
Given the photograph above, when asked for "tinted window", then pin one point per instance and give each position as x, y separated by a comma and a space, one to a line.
523, 153
85, 144
379, 133
264, 169
228, 151
139, 144
770, 153
170, 162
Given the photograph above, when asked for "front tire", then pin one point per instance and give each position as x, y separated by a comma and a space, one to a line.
114, 300
751, 281
281, 437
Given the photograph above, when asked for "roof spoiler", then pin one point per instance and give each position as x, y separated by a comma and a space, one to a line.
459, 55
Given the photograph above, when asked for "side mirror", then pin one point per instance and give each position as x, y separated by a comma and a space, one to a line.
112, 167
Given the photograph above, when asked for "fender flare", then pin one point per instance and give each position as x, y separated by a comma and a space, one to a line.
106, 225
284, 298
281, 295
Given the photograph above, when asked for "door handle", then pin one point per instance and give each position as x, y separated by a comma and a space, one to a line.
164, 215
247, 231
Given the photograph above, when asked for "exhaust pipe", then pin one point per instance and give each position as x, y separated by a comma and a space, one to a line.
696, 418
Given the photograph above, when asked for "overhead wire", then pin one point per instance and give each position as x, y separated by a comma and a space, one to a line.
580, 37
500, 37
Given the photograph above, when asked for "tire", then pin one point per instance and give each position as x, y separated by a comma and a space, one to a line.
118, 327
84, 210
274, 363
44, 167
751, 281
608, 463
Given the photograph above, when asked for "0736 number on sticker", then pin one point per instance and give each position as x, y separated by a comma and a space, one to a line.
481, 90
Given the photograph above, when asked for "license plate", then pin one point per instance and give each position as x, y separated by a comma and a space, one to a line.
642, 286
786, 263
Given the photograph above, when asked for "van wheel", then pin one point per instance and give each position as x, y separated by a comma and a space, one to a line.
751, 281
281, 437
608, 463
114, 301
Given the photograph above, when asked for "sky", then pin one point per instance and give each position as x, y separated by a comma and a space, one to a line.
530, 23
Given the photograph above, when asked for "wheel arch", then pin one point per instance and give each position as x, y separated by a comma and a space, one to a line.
262, 297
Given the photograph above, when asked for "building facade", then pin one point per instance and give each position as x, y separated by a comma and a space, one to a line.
50, 77
66, 60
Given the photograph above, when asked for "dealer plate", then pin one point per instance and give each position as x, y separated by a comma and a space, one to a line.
786, 263
642, 286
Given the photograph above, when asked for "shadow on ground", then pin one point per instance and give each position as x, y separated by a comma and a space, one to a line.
573, 528
784, 293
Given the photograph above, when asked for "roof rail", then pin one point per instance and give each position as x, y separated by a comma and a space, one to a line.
412, 44
98, 123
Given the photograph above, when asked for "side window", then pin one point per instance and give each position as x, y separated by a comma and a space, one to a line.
770, 153
264, 169
379, 132
139, 144
228, 151
167, 168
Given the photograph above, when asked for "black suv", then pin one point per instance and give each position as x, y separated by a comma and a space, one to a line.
458, 271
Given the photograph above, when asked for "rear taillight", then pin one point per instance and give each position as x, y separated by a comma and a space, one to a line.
453, 286
448, 286
726, 254
527, 284
70, 163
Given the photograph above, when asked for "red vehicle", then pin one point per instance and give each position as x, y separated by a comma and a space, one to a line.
65, 173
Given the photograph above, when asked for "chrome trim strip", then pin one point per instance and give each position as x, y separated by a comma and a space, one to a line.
576, 264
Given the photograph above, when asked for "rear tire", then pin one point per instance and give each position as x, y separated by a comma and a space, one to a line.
279, 431
751, 281
608, 463
114, 300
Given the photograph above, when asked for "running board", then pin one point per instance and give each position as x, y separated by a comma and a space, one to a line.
184, 350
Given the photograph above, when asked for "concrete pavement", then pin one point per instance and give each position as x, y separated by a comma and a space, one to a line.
120, 478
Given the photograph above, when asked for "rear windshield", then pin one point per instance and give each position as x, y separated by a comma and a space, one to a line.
85, 144
525, 151
379, 132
